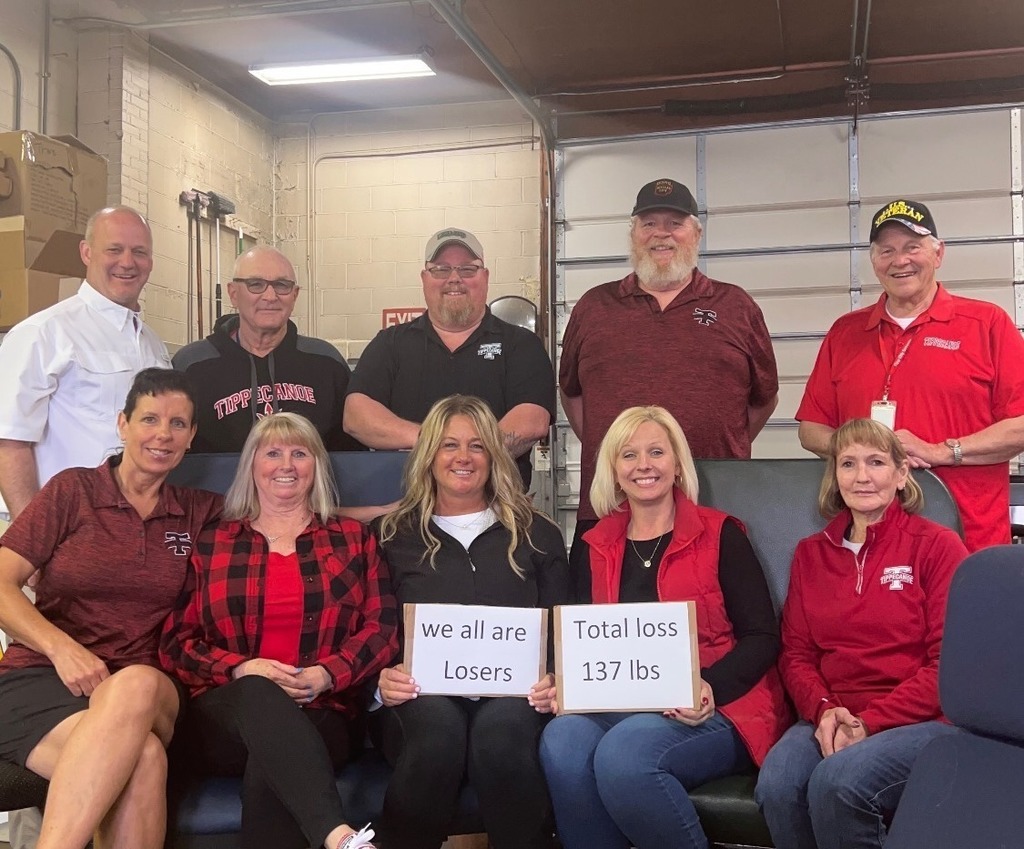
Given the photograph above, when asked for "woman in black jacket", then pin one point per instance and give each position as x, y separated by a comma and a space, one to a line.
465, 533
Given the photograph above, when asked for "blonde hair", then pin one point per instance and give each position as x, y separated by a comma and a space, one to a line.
242, 498
605, 496
873, 435
503, 490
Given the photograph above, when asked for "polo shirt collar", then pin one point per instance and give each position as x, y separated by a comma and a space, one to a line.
108, 494
115, 314
488, 325
942, 308
700, 287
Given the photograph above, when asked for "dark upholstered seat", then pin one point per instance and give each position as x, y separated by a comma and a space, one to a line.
967, 789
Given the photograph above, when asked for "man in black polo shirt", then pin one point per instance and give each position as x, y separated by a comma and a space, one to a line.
457, 346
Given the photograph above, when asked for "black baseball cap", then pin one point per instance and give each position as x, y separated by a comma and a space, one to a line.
910, 213
665, 194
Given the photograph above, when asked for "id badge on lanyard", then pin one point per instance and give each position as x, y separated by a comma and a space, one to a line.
883, 411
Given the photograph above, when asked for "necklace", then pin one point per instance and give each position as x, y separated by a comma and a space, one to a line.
657, 544
272, 540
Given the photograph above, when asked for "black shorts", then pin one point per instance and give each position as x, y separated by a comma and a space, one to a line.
33, 702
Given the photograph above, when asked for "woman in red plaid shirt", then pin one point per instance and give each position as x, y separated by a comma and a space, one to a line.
287, 606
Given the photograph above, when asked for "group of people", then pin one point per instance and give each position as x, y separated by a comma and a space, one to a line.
274, 617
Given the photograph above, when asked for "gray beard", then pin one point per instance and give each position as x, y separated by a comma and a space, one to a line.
662, 279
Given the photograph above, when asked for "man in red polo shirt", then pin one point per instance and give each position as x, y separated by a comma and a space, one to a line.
945, 372
669, 335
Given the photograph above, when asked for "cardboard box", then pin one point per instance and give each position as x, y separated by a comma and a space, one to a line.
35, 273
56, 183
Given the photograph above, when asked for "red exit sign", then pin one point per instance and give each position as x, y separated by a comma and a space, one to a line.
400, 315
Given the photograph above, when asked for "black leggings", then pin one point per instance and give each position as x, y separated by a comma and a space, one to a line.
434, 742
285, 754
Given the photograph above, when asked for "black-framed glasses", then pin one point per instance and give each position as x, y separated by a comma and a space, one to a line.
443, 272
258, 285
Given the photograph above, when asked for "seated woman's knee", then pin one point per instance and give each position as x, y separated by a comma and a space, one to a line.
136, 689
254, 691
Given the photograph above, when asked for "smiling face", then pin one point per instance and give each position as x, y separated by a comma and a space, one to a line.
868, 480
268, 312
118, 256
455, 303
663, 248
461, 469
158, 433
905, 264
646, 467
283, 473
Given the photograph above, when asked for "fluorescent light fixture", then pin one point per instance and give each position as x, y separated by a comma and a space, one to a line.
385, 68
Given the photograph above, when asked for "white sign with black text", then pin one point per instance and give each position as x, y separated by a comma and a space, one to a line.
474, 650
626, 657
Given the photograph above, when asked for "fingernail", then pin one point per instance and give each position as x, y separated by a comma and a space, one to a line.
704, 701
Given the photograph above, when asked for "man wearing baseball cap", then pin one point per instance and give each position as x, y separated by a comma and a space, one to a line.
945, 372
665, 334
456, 346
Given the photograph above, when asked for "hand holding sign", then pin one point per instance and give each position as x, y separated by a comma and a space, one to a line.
397, 686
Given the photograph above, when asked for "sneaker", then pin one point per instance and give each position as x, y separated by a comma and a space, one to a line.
359, 840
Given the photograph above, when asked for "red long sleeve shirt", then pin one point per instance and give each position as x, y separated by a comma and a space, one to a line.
864, 631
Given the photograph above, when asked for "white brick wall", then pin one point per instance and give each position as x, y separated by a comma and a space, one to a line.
374, 214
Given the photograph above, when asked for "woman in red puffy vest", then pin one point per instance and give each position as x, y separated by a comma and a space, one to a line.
621, 779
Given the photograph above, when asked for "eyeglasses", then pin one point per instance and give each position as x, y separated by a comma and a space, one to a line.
257, 285
443, 272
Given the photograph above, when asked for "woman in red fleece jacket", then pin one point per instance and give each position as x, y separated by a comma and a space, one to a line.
861, 632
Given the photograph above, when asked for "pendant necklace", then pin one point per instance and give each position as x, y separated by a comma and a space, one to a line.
647, 560
272, 540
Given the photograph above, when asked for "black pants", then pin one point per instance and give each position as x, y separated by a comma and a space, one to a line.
285, 754
579, 562
434, 742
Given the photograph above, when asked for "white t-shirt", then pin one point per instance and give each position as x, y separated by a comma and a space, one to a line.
64, 375
468, 527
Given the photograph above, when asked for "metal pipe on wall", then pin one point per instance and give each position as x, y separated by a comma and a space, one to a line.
16, 71
44, 75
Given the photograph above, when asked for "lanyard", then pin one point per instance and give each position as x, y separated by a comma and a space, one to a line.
896, 362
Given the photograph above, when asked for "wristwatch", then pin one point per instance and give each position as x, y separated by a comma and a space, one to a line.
958, 452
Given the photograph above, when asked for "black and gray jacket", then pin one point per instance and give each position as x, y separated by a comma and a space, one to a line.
234, 388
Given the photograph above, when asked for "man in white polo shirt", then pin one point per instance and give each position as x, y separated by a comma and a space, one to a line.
65, 371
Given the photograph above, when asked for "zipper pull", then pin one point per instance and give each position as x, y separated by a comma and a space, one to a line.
472, 565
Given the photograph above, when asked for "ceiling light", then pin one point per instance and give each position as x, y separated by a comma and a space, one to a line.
384, 68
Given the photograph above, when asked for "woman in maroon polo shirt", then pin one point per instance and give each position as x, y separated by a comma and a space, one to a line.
83, 701
287, 606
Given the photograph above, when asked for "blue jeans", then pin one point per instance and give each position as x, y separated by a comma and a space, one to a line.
620, 780
844, 801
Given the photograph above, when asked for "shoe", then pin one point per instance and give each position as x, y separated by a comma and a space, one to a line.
359, 840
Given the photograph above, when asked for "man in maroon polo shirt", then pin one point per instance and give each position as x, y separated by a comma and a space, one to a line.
669, 335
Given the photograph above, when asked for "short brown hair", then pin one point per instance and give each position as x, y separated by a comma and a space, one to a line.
874, 435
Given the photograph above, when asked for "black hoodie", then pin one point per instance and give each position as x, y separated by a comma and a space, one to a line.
301, 375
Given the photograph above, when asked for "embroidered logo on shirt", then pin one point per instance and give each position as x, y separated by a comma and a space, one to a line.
897, 576
180, 544
705, 317
947, 344
489, 350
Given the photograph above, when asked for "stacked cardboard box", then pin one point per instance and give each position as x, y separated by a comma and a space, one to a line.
48, 189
